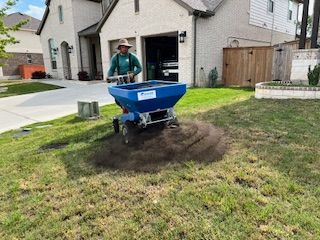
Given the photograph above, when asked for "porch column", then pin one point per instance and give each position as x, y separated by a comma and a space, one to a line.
85, 54
315, 28
304, 25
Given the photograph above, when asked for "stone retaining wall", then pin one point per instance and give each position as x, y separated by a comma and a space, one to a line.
286, 92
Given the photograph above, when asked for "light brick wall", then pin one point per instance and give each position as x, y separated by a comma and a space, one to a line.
29, 42
78, 14
85, 14
154, 18
59, 32
230, 22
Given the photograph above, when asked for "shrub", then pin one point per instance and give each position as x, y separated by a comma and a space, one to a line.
38, 75
83, 76
313, 75
213, 77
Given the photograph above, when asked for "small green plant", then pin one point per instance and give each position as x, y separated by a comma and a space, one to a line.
213, 77
313, 75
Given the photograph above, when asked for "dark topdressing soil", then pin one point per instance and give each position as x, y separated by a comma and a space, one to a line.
154, 148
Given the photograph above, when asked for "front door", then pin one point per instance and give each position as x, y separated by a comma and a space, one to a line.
66, 61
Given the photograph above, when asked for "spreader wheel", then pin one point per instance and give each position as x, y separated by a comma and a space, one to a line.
116, 126
174, 123
128, 132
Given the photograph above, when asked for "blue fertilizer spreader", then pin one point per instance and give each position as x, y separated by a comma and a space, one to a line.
144, 104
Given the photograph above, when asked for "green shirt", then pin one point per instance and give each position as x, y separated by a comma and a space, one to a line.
124, 64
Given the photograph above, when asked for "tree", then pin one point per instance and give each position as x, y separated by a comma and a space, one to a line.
5, 37
309, 27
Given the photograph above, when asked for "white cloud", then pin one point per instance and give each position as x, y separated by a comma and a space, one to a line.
35, 11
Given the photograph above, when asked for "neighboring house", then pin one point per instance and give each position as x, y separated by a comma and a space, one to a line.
27, 51
175, 39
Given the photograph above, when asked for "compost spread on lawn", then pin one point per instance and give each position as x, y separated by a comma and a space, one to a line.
154, 148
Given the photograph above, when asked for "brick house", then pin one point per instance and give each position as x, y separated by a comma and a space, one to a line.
175, 39
27, 51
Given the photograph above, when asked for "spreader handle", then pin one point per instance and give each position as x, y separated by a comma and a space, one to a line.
120, 79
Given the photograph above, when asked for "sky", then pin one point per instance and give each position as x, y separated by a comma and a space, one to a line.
311, 3
35, 8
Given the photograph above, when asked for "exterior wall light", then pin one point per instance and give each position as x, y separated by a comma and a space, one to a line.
182, 35
70, 49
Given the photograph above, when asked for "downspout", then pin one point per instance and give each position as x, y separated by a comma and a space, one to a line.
80, 49
195, 50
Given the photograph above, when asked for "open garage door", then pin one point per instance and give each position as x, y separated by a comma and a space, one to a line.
162, 57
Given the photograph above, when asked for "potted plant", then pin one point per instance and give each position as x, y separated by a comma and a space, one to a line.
83, 76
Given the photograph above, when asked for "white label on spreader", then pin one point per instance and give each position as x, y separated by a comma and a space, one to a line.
147, 95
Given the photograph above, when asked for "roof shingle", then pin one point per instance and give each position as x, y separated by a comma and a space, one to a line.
14, 18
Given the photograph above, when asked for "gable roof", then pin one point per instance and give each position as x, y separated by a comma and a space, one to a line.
44, 18
14, 18
46, 13
203, 8
89, 31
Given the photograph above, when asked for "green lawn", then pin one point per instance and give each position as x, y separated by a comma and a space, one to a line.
23, 87
266, 187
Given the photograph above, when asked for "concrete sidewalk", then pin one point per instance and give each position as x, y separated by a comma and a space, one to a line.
18, 111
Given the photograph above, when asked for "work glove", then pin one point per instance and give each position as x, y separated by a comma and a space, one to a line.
131, 76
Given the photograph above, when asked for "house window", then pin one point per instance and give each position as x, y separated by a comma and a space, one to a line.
290, 12
29, 59
60, 10
136, 6
53, 54
270, 6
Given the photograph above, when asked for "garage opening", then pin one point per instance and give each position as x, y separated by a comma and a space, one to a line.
162, 57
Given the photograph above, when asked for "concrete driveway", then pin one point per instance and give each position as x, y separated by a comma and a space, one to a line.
18, 111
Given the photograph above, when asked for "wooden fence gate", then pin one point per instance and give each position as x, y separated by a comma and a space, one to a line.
247, 66
282, 59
